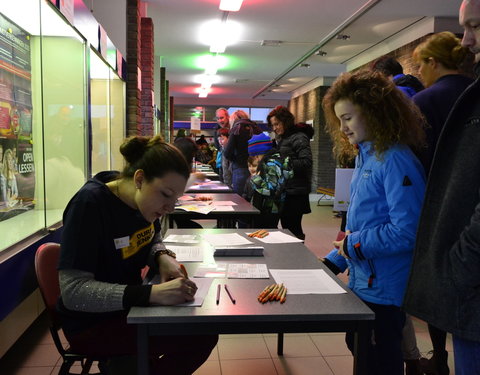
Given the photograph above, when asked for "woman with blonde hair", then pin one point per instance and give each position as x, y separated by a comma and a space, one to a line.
440, 58
365, 110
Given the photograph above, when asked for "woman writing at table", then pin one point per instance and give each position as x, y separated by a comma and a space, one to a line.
366, 111
111, 231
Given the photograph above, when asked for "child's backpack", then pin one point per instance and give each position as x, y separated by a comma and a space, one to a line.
269, 184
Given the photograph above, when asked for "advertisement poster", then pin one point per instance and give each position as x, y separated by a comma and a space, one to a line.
17, 171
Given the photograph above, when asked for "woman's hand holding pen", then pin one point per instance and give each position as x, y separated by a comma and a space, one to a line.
173, 292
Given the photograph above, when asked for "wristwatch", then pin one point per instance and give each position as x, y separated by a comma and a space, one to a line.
166, 252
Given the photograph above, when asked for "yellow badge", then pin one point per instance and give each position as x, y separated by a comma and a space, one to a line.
138, 240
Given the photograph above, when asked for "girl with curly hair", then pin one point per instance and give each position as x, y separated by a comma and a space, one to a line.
364, 110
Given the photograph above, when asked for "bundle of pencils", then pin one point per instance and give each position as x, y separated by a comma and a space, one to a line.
274, 292
259, 233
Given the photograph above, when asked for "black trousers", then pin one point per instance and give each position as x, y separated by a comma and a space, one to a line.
384, 354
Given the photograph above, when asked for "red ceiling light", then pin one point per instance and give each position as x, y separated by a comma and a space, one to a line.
230, 5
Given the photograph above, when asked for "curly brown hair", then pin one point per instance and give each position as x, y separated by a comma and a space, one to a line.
390, 116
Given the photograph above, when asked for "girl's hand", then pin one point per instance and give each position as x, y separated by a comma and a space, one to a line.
339, 245
173, 292
168, 268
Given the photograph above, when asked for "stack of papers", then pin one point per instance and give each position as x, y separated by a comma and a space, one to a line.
307, 281
234, 251
181, 238
233, 271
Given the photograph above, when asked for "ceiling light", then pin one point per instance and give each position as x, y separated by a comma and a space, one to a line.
203, 93
230, 5
320, 53
304, 65
270, 43
219, 34
343, 36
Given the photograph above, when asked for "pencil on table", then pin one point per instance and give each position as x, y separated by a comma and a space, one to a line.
270, 294
283, 298
280, 292
265, 291
263, 234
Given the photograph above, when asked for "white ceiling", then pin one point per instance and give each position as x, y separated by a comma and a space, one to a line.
272, 72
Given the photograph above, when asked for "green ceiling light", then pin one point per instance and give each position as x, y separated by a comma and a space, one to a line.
211, 63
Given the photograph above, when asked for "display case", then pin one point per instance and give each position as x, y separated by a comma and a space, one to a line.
62, 116
43, 117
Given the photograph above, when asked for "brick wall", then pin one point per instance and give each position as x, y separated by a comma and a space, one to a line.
140, 65
133, 56
146, 62
308, 107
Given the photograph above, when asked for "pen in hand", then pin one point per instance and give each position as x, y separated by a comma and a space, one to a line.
218, 293
232, 298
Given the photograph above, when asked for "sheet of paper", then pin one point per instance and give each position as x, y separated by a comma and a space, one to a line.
211, 270
247, 271
279, 237
203, 286
224, 203
224, 208
201, 209
187, 253
230, 239
307, 281
181, 238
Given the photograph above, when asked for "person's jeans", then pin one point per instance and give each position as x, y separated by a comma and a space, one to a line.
467, 356
239, 178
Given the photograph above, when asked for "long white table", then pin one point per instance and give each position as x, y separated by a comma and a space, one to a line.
300, 313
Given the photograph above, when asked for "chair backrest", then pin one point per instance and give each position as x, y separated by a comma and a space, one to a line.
46, 261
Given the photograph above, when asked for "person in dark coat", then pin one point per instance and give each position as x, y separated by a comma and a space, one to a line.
444, 282
293, 141
439, 57
236, 149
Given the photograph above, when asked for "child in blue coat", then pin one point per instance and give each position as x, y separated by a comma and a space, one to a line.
364, 110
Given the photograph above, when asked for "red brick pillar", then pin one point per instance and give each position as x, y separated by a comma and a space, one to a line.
147, 65
133, 68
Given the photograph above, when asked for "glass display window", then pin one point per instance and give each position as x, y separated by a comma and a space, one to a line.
42, 117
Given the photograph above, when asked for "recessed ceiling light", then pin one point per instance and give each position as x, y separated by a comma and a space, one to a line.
270, 43
343, 36
304, 65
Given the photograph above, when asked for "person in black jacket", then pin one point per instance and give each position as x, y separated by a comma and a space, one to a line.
293, 141
237, 148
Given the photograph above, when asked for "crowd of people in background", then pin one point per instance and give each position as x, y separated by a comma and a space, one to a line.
411, 241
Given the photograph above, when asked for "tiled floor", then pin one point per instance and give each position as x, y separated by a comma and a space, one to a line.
304, 354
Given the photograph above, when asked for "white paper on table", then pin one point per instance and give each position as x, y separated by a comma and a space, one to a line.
307, 281
224, 208
279, 237
196, 208
187, 253
181, 238
203, 286
224, 203
230, 239
212, 270
247, 271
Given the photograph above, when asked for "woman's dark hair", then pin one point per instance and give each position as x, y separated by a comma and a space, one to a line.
187, 147
389, 115
154, 156
387, 65
224, 132
283, 115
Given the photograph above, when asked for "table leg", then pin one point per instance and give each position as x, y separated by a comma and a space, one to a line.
360, 349
142, 350
280, 343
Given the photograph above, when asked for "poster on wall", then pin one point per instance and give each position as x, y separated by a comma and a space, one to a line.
17, 170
